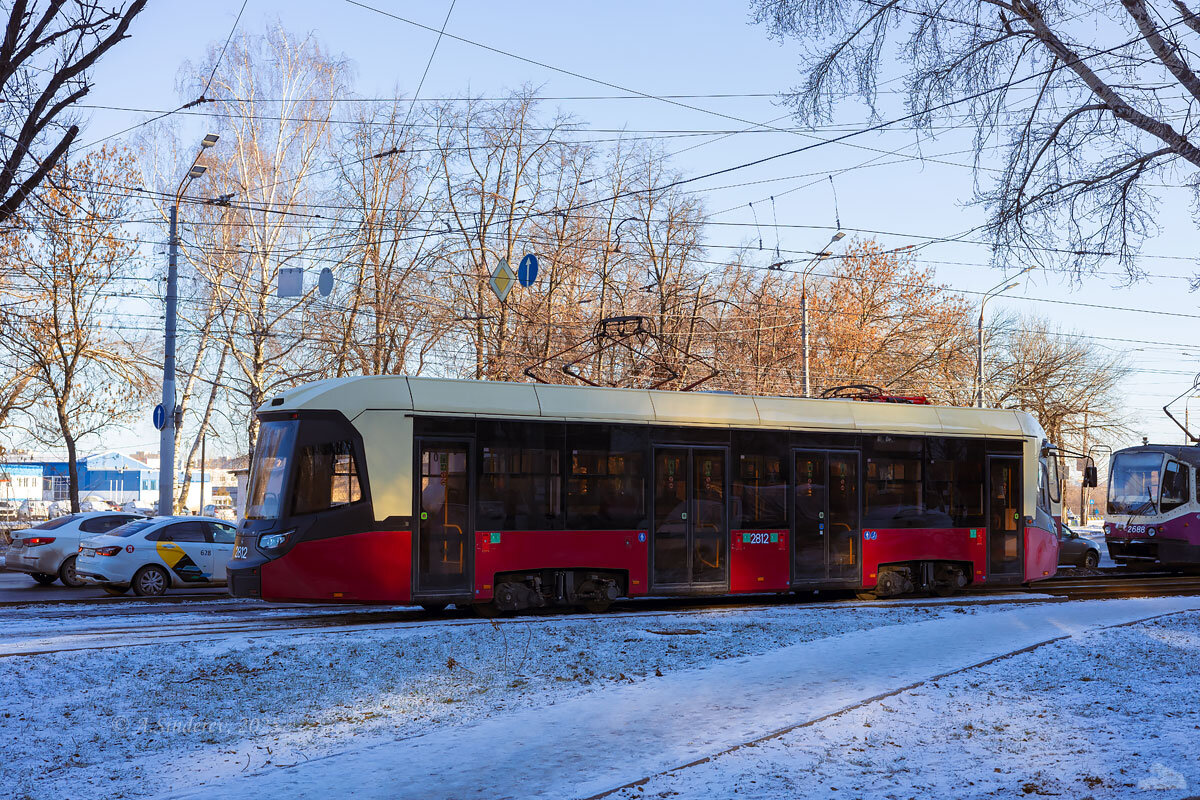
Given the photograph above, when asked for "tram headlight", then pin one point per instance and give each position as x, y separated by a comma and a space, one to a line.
274, 541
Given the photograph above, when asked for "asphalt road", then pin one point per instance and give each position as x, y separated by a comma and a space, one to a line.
17, 587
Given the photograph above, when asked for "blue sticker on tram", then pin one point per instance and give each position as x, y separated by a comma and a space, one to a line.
641, 536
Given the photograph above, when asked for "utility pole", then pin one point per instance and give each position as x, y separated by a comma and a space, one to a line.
988, 295
171, 415
166, 441
821, 256
1082, 488
203, 445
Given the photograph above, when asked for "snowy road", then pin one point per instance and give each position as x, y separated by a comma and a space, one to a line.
595, 743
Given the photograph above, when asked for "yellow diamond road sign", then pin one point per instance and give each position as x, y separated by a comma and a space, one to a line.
502, 280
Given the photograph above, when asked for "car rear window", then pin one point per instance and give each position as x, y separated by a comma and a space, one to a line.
130, 528
105, 524
57, 522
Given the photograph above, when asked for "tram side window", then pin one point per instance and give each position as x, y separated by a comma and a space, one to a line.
326, 477
604, 490
1174, 486
954, 483
760, 492
893, 483
519, 489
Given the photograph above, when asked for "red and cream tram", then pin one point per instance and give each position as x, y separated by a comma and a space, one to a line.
506, 496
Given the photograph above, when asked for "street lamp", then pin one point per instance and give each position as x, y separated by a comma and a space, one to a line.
988, 295
166, 465
821, 256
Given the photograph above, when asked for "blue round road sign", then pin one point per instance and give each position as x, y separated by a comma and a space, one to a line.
527, 271
160, 417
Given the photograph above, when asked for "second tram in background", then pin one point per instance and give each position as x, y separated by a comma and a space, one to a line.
1153, 518
507, 496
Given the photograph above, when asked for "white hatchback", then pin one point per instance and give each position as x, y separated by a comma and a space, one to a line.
153, 555
49, 551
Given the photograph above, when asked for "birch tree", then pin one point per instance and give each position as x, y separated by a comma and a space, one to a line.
274, 97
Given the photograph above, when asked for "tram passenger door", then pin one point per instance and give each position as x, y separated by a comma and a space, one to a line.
691, 530
444, 530
1004, 515
828, 523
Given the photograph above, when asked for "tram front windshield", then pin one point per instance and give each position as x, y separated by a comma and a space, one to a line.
268, 472
1134, 483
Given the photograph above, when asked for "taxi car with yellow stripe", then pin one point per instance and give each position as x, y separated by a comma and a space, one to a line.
154, 555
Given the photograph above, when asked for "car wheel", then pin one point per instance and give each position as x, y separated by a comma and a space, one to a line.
114, 589
66, 574
44, 579
151, 581
1091, 559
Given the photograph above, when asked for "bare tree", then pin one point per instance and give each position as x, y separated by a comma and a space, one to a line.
68, 264
1069, 384
45, 55
1095, 104
274, 96
381, 316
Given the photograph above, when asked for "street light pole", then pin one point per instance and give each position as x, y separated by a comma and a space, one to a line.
812, 262
166, 442
995, 291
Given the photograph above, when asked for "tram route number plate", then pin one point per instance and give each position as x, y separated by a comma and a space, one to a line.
760, 538
241, 551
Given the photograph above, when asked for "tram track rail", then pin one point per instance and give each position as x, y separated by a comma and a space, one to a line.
252, 621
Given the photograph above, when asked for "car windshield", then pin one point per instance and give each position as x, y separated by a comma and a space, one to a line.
1133, 485
130, 528
57, 522
268, 471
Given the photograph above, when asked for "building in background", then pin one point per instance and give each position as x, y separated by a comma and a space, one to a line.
20, 482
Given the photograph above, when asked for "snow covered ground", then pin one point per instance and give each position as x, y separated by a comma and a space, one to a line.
350, 705
1105, 714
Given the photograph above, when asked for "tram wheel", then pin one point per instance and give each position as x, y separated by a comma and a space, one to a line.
867, 596
434, 608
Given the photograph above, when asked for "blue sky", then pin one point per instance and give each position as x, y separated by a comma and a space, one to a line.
697, 48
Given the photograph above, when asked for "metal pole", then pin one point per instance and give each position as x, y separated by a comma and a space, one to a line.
1082, 488
804, 338
166, 442
979, 363
203, 445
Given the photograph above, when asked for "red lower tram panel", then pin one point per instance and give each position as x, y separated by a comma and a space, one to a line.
1041, 553
615, 552
758, 561
890, 546
370, 567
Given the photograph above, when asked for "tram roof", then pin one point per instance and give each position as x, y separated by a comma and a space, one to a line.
354, 395
1187, 453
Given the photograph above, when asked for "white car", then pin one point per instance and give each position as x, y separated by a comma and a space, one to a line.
220, 511
153, 555
94, 503
140, 507
33, 509
48, 551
